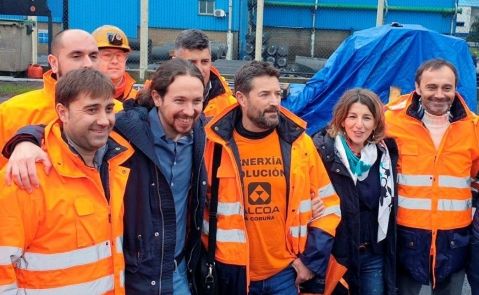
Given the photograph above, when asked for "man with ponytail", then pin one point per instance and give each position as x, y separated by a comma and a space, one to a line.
165, 193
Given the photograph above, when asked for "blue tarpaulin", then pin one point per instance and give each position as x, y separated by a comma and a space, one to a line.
376, 59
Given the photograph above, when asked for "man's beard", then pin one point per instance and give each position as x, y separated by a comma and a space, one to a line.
263, 122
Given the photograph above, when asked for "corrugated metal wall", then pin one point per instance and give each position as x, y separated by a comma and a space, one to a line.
331, 15
356, 15
90, 14
173, 14
165, 14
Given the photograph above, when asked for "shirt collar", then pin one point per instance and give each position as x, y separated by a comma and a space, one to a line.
99, 154
207, 89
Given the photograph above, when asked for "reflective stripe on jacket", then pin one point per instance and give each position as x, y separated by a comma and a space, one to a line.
65, 237
434, 185
304, 174
30, 108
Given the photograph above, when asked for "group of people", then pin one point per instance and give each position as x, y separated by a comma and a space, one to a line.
109, 191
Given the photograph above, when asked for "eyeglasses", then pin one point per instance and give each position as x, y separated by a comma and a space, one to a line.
108, 56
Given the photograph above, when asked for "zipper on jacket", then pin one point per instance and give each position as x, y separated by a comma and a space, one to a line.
438, 150
191, 257
140, 246
162, 230
195, 212
198, 189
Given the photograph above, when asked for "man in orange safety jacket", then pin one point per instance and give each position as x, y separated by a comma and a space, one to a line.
194, 45
66, 237
266, 240
71, 49
438, 155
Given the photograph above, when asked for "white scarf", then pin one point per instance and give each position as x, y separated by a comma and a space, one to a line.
368, 157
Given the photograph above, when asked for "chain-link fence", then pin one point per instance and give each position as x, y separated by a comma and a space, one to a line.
295, 51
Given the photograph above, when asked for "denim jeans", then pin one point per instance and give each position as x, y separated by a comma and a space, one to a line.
281, 283
371, 273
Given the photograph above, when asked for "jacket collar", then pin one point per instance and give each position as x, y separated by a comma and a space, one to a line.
129, 82
133, 124
69, 163
49, 83
217, 86
325, 145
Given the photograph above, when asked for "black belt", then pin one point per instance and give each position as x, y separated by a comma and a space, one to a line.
179, 258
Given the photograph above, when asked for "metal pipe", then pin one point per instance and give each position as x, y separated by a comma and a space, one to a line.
229, 34
259, 30
313, 28
380, 13
361, 7
65, 15
50, 30
143, 38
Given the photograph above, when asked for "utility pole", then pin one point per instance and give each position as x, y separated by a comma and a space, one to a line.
229, 35
65, 15
259, 30
143, 38
313, 29
380, 13
33, 19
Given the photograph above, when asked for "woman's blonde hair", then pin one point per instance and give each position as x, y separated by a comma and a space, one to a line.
365, 97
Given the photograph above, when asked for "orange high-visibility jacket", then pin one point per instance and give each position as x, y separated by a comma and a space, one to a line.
220, 102
65, 237
306, 175
130, 91
30, 108
434, 186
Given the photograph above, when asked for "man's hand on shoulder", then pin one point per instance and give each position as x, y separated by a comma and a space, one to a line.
21, 167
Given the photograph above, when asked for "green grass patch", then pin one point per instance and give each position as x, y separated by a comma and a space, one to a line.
9, 89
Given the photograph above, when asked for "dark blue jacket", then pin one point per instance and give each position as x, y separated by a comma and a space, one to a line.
149, 221
347, 240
